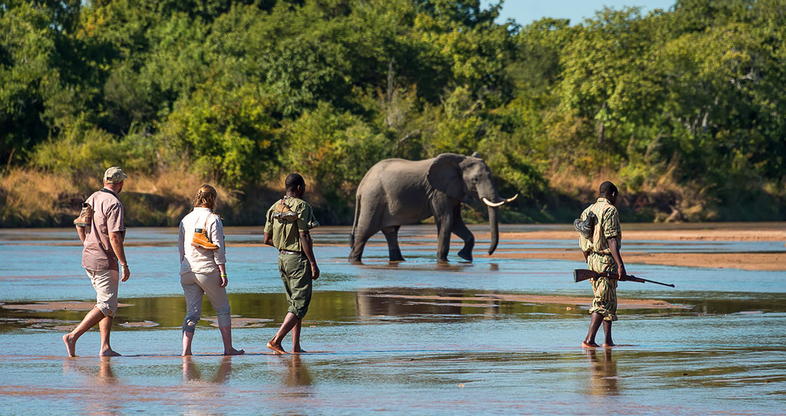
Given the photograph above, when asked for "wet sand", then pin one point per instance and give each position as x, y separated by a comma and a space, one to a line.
56, 306
744, 261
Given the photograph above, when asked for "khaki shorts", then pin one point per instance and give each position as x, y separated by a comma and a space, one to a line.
296, 274
105, 282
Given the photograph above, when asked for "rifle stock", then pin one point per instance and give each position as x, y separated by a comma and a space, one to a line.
580, 275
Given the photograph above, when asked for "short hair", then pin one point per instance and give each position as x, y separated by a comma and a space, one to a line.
206, 197
294, 180
608, 188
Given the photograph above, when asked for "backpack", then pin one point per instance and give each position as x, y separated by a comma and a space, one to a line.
586, 227
284, 213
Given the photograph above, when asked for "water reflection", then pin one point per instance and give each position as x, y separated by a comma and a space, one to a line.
204, 395
434, 303
102, 383
191, 371
603, 380
297, 372
292, 394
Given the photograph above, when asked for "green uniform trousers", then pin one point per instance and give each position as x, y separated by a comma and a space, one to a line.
604, 289
296, 274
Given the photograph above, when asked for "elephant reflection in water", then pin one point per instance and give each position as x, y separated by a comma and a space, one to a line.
396, 192
436, 304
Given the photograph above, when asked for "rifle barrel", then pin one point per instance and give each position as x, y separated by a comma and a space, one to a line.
657, 283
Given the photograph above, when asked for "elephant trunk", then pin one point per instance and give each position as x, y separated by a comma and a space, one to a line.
492, 201
494, 224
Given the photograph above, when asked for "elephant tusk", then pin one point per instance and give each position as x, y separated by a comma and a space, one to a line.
493, 204
511, 199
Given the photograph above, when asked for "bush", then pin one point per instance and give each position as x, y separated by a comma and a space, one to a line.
87, 152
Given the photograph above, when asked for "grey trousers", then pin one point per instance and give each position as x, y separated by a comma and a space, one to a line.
194, 286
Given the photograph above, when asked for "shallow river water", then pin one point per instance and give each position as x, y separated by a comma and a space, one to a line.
491, 337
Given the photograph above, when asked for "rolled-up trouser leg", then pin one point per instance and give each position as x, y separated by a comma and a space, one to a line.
211, 284
193, 294
105, 283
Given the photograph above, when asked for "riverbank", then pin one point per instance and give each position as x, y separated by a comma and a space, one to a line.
34, 198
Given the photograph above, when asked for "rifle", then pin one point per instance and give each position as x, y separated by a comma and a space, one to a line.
580, 275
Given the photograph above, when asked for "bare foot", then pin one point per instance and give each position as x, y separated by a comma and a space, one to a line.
298, 350
585, 344
276, 347
109, 353
237, 352
609, 345
70, 345
186, 353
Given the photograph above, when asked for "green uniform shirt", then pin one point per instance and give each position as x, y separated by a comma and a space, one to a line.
608, 226
286, 219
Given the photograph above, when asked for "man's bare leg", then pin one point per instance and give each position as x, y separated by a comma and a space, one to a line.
275, 343
89, 321
188, 338
296, 337
589, 341
105, 328
226, 337
607, 330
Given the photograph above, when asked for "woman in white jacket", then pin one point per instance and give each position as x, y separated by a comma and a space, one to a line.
203, 268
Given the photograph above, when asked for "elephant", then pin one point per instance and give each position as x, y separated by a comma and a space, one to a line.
396, 192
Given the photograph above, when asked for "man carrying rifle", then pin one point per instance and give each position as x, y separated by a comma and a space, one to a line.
602, 253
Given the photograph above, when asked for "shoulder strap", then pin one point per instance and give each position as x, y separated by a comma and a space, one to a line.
110, 192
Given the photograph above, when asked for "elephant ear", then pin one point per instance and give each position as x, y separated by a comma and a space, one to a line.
445, 175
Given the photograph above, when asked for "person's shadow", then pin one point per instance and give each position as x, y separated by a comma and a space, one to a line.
603, 379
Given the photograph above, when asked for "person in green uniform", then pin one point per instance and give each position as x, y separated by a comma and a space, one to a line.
287, 226
602, 254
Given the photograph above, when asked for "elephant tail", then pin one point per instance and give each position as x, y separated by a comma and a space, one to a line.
355, 221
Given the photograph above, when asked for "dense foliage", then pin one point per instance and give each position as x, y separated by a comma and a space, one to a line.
690, 100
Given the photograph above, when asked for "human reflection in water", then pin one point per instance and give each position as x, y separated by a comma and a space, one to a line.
603, 378
101, 385
191, 371
297, 374
204, 397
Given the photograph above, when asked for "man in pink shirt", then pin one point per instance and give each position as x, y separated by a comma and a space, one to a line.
102, 236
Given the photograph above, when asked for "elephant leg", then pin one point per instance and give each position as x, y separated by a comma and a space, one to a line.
361, 237
391, 235
444, 229
461, 230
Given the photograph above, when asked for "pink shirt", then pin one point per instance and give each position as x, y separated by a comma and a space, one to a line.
97, 253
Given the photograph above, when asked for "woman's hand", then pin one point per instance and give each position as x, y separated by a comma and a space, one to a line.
224, 280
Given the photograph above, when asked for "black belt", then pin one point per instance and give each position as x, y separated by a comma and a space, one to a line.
289, 252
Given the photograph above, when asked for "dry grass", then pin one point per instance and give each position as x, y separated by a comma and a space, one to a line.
177, 184
37, 198
32, 197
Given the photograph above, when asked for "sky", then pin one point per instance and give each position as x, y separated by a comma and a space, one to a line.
526, 11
